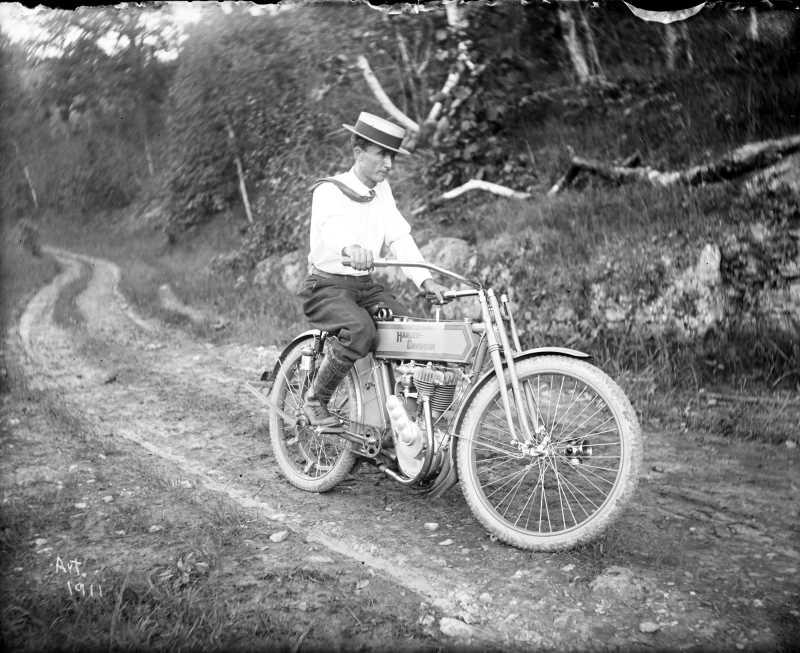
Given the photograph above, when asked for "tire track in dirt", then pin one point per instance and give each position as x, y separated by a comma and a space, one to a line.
118, 408
183, 401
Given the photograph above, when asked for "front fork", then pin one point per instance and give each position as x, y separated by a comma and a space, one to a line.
533, 436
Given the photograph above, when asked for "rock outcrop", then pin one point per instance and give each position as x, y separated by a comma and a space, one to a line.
288, 270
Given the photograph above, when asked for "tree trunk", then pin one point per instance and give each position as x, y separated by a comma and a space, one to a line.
407, 76
573, 44
431, 122
27, 174
687, 44
456, 14
752, 27
380, 95
239, 172
136, 57
670, 42
148, 155
594, 58
677, 45
461, 67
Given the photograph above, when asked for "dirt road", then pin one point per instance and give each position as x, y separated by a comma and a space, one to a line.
707, 558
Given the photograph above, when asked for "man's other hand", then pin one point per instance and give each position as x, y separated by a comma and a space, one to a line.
433, 288
359, 258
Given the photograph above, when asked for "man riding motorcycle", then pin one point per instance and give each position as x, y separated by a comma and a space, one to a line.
354, 214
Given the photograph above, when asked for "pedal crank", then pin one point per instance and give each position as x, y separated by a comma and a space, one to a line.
327, 430
366, 438
368, 442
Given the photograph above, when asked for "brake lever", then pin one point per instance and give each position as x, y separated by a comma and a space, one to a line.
430, 297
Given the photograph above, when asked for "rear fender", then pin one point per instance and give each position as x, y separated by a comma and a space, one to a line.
270, 377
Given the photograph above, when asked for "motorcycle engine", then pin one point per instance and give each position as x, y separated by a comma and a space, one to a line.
414, 382
437, 382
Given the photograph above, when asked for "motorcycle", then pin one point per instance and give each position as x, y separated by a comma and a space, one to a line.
545, 446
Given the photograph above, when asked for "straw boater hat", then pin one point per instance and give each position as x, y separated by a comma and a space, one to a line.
379, 131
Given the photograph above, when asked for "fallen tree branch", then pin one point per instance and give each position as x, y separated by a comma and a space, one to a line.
488, 186
752, 399
474, 184
380, 95
752, 156
579, 164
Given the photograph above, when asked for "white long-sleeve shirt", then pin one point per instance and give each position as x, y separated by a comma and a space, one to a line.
337, 222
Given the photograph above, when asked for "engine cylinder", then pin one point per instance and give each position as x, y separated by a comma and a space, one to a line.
438, 385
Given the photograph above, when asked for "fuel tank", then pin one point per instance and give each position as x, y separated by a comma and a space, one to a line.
453, 342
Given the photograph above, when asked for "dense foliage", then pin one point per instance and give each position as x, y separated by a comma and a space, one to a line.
84, 111
261, 80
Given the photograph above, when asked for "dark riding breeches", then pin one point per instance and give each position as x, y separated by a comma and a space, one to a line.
343, 305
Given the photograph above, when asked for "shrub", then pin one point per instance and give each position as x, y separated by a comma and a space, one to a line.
26, 234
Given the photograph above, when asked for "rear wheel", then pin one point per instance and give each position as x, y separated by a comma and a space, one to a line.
578, 483
309, 460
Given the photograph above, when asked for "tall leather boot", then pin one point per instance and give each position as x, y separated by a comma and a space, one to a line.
333, 369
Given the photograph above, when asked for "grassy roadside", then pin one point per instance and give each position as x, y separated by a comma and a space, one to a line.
105, 547
263, 316
21, 272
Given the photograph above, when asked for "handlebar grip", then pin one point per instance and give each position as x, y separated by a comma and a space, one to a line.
431, 298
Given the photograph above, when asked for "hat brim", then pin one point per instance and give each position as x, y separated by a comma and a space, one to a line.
399, 150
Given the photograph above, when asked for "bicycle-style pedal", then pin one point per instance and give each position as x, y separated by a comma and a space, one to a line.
335, 429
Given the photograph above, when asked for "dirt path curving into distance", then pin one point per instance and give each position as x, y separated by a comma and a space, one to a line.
707, 558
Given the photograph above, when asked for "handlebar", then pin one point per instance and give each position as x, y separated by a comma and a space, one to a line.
386, 263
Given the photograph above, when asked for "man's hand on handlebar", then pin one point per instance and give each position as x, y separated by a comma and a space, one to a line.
358, 257
434, 290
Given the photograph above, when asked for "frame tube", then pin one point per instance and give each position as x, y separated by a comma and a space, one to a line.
522, 410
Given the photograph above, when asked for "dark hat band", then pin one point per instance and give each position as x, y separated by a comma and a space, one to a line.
378, 136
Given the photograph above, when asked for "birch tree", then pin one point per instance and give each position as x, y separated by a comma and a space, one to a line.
677, 46
579, 41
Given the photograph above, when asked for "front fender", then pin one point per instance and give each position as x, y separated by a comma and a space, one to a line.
271, 376
487, 376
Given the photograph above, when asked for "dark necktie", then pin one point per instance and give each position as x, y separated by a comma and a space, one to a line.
356, 197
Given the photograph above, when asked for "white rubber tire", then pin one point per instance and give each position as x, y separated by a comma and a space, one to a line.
573, 478
309, 461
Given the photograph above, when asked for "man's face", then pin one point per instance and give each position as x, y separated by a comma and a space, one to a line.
373, 163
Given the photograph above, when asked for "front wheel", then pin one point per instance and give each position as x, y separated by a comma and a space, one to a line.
572, 488
309, 460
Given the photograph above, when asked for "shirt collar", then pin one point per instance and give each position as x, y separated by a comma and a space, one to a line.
352, 180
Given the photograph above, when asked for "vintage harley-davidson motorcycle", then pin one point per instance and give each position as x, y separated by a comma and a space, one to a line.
545, 446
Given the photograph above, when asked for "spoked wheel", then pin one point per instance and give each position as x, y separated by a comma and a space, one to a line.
572, 486
309, 460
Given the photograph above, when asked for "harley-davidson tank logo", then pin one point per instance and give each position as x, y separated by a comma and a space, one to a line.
414, 341
449, 341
